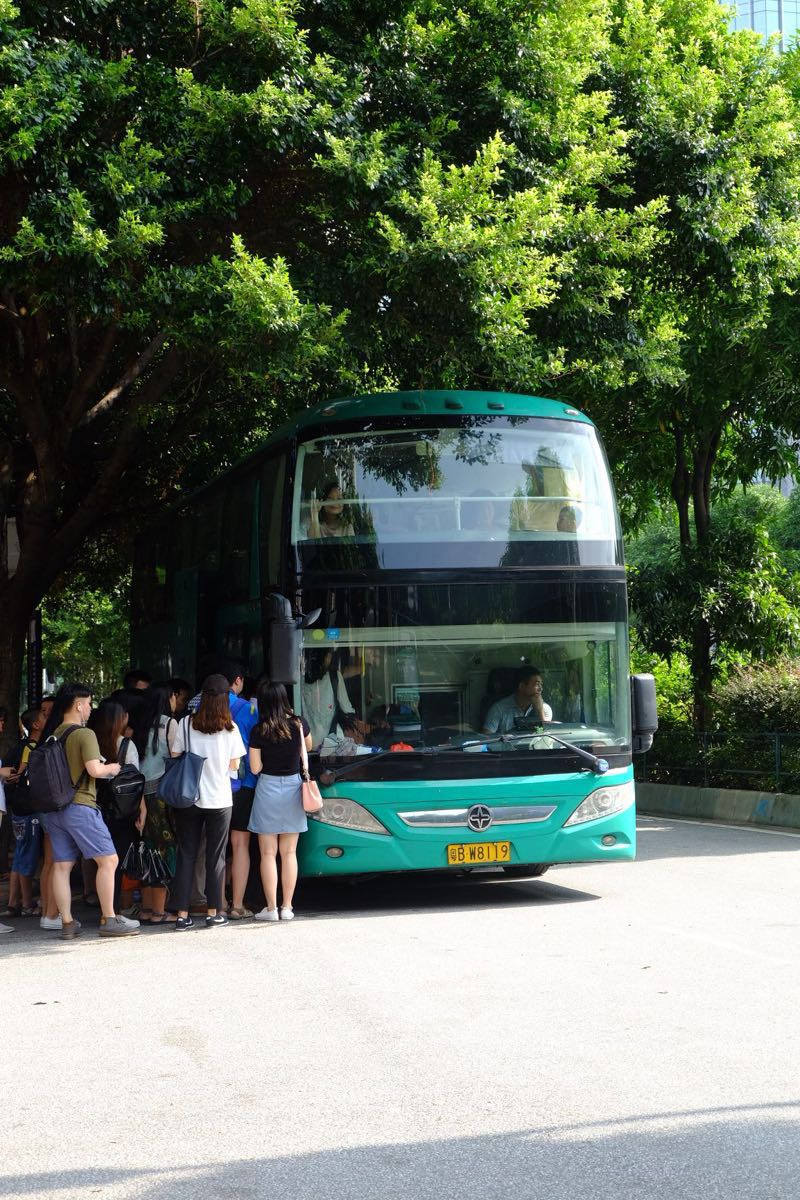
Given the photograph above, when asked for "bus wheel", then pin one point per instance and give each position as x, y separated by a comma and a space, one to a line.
526, 870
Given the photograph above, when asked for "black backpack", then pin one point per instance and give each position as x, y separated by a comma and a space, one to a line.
119, 798
48, 781
17, 793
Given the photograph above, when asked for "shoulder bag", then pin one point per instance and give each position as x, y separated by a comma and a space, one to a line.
121, 796
312, 797
179, 786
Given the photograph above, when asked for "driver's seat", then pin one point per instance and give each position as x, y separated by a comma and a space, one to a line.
500, 682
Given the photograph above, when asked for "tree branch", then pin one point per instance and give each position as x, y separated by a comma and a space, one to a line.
86, 515
680, 486
87, 381
106, 402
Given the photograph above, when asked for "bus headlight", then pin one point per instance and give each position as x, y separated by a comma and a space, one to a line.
346, 814
603, 803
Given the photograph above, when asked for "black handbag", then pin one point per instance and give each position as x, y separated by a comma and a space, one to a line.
156, 872
134, 864
179, 786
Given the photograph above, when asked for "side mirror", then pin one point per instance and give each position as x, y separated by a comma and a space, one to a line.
285, 642
644, 712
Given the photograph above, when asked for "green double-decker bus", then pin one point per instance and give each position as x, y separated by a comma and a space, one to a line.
439, 578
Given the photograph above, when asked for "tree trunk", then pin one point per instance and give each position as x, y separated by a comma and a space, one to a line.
681, 487
702, 672
13, 632
702, 662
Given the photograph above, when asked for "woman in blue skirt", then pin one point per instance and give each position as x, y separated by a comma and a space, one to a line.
278, 816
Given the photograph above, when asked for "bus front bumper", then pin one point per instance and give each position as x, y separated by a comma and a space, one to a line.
329, 849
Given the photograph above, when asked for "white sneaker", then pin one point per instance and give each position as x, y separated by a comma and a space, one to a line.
10, 928
267, 914
50, 922
287, 914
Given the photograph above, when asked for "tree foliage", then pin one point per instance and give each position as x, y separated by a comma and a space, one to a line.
86, 634
215, 213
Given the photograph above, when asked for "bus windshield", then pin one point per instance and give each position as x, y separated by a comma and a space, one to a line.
485, 481
439, 685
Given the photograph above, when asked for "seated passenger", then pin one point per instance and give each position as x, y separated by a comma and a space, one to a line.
569, 519
327, 517
523, 709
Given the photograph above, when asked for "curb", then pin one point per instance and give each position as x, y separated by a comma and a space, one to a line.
719, 804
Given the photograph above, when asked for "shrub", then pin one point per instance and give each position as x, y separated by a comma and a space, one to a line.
759, 698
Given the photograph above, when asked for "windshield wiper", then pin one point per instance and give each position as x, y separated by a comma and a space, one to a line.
598, 765
329, 776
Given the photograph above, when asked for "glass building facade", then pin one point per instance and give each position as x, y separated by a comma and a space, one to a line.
768, 17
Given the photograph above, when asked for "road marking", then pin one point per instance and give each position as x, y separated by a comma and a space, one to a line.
717, 825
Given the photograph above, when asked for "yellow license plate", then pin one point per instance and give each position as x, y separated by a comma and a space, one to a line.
474, 853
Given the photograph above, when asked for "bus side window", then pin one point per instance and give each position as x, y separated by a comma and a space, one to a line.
273, 475
237, 541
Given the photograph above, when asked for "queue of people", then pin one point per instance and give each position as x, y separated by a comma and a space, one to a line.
252, 752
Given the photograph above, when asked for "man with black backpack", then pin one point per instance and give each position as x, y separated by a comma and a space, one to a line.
78, 827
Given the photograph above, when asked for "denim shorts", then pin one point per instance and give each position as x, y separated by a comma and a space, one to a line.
79, 829
26, 851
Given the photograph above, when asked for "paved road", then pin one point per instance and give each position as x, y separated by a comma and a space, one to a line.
620, 1031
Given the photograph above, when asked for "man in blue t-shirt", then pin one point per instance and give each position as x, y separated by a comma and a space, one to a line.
245, 714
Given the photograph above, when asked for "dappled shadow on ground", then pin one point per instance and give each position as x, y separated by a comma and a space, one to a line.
743, 1152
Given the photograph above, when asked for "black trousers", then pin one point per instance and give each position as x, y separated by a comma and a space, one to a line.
189, 826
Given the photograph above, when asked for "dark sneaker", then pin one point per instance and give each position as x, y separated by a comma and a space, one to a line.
219, 918
70, 931
118, 927
184, 923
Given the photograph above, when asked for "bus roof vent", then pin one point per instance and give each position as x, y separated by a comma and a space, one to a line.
453, 404
412, 405
572, 412
496, 405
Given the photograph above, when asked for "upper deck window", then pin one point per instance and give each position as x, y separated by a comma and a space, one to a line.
496, 484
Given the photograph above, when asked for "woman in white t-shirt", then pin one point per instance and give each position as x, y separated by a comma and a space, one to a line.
155, 728
213, 734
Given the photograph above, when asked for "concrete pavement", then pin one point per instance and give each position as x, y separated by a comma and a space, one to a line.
623, 1030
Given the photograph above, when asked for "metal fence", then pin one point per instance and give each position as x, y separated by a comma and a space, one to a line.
760, 762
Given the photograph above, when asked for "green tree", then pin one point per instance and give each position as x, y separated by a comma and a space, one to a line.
713, 124
214, 213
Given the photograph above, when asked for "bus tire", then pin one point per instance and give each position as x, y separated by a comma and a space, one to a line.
526, 870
